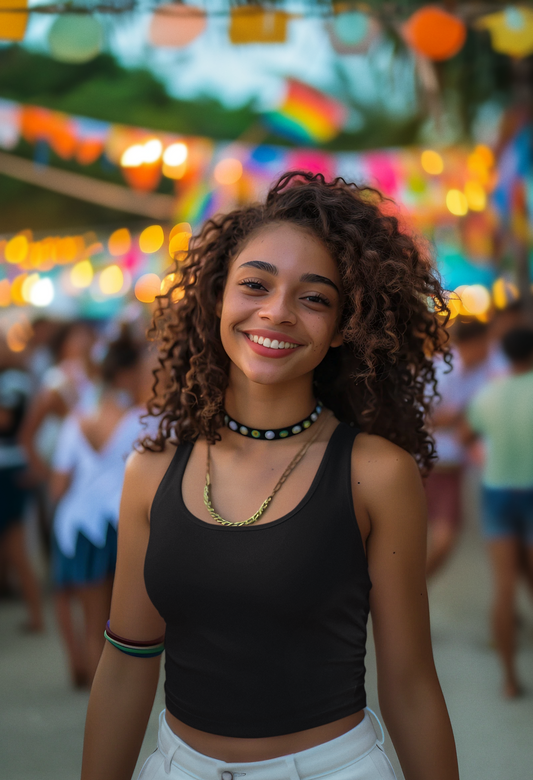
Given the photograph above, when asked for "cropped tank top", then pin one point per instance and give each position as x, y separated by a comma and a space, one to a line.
265, 624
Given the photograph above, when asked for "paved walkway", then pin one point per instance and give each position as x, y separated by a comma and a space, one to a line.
41, 718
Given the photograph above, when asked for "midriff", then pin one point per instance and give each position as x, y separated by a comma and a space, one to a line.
238, 750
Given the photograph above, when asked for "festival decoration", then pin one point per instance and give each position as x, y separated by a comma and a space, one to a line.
147, 287
151, 239
252, 24
75, 38
13, 22
435, 33
306, 115
511, 30
351, 32
176, 26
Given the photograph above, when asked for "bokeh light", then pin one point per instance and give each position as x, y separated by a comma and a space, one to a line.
454, 305
140, 154
181, 227
153, 150
457, 203
432, 162
119, 242
504, 293
42, 292
475, 196
147, 287
167, 282
151, 239
177, 294
16, 249
81, 274
16, 289
5, 292
17, 336
27, 286
228, 171
179, 243
111, 280
175, 155
476, 299
133, 156
67, 249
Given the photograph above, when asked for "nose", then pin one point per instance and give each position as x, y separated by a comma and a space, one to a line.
277, 308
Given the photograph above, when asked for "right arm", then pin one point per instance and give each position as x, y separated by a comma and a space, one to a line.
124, 687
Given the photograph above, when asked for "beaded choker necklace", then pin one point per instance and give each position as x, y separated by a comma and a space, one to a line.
274, 433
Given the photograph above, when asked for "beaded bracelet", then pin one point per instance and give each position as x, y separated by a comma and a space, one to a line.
138, 649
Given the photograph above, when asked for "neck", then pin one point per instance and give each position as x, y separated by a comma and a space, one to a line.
269, 406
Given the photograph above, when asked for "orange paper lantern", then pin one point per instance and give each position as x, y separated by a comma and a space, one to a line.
145, 177
176, 25
435, 33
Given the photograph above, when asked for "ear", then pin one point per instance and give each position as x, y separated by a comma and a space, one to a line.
336, 341
218, 307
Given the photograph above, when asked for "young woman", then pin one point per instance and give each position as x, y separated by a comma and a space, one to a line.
280, 500
86, 481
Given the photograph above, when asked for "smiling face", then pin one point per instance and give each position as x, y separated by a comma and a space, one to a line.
280, 309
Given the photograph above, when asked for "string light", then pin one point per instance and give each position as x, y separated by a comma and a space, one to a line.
432, 162
151, 239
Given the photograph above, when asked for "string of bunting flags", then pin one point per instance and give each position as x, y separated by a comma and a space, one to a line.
432, 31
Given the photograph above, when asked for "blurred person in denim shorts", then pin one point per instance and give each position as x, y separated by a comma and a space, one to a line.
502, 415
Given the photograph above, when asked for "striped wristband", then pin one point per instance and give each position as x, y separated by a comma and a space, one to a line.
139, 649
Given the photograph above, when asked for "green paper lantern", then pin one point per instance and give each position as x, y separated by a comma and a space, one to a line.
351, 28
75, 38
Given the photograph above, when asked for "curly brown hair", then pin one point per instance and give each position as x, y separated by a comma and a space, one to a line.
393, 317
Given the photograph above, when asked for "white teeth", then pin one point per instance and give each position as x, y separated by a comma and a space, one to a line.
274, 344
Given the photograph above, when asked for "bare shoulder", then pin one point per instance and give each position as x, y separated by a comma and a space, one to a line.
383, 472
144, 471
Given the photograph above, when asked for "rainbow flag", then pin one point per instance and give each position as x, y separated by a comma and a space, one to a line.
306, 115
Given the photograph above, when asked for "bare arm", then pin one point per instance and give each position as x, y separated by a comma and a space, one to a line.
410, 696
59, 482
124, 687
47, 402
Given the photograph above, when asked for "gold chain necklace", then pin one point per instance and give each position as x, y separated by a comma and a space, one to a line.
255, 517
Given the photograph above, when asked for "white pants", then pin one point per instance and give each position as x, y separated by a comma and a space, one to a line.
356, 755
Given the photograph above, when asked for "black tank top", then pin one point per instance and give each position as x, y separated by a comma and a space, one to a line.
265, 624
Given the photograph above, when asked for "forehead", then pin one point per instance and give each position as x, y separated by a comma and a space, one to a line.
288, 247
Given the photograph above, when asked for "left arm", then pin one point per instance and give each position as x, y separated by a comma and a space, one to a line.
410, 696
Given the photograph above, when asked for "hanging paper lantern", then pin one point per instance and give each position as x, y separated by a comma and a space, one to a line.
13, 25
352, 32
511, 31
75, 38
254, 25
435, 33
144, 178
176, 25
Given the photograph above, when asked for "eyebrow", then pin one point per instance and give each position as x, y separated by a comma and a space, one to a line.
261, 265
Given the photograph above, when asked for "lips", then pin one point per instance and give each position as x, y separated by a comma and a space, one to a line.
269, 346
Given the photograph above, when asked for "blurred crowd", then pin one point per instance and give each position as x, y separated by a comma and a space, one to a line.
71, 405
483, 424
